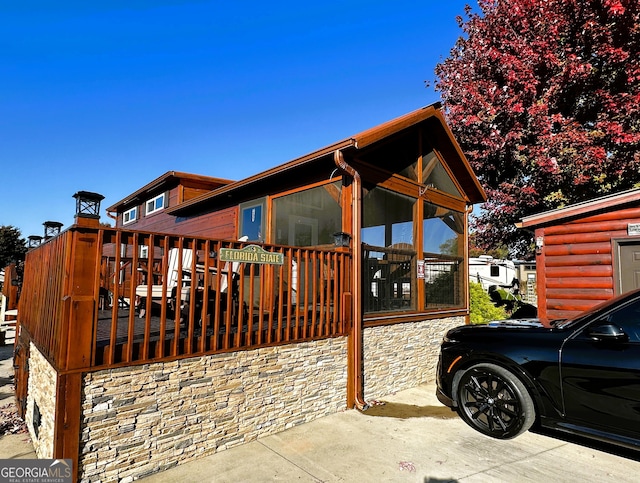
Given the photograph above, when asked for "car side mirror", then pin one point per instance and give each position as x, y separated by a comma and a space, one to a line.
607, 332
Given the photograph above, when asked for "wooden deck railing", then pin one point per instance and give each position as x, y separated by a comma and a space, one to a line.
102, 297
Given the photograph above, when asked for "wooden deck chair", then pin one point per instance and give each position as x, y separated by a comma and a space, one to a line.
229, 275
142, 291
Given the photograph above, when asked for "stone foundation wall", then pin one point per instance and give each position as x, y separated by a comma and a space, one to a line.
400, 356
144, 419
41, 393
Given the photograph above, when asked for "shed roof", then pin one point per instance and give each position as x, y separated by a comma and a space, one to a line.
430, 115
580, 210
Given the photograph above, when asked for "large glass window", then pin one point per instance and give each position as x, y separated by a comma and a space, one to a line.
389, 259
435, 175
443, 251
395, 270
309, 217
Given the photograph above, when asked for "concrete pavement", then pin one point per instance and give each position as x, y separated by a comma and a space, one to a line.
410, 438
12, 446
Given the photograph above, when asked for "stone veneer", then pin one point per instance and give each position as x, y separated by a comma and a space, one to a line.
143, 419
41, 391
400, 356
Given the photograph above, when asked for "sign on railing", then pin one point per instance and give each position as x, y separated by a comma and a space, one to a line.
251, 254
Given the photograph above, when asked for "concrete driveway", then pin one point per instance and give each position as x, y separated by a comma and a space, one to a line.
411, 438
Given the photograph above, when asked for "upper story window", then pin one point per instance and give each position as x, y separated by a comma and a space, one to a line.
130, 216
156, 204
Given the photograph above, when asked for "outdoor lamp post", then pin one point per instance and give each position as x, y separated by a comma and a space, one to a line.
88, 204
51, 229
33, 241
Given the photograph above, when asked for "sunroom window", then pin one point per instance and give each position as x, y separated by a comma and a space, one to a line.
309, 217
389, 256
398, 276
443, 252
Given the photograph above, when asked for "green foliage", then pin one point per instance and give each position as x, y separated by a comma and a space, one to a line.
482, 309
543, 98
12, 246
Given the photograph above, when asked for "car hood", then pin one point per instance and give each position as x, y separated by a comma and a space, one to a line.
516, 323
510, 328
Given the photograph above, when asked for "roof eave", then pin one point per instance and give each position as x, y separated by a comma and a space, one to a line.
580, 209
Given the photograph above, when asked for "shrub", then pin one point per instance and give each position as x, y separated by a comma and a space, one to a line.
482, 310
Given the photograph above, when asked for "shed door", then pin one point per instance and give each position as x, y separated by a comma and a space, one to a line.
628, 266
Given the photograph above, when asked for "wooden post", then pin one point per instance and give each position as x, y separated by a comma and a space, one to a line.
81, 297
9, 289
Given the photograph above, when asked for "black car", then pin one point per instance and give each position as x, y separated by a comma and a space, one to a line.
581, 376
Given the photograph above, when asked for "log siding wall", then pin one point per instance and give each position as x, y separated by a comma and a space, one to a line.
576, 266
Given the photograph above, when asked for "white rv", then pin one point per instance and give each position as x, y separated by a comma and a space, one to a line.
490, 271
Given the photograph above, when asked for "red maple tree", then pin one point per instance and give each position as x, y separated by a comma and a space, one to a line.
544, 99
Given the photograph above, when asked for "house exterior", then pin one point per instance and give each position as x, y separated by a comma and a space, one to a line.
586, 253
312, 287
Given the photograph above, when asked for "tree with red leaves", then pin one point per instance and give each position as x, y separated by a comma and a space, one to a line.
544, 99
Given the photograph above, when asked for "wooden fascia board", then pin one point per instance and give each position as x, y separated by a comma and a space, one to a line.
581, 209
278, 170
388, 128
481, 194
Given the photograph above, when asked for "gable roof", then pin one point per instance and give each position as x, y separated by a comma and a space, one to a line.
431, 116
166, 180
583, 209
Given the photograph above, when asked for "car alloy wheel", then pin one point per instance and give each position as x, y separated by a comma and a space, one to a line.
494, 401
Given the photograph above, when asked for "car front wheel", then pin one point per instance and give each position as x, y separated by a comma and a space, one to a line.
494, 401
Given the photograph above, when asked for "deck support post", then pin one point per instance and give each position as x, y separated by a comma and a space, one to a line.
79, 304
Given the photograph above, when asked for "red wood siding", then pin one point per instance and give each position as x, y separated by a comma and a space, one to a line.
220, 225
576, 265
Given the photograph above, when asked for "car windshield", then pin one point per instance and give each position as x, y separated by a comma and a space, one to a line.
603, 307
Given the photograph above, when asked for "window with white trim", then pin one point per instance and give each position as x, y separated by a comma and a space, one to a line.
155, 204
130, 216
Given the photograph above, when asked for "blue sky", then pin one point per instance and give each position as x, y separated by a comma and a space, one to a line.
106, 96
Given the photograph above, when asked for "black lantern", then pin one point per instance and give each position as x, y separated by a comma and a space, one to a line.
34, 241
51, 229
342, 239
88, 204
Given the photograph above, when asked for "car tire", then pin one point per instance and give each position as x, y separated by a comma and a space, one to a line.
493, 401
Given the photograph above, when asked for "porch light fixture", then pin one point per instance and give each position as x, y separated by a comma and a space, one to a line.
88, 204
342, 239
539, 245
51, 229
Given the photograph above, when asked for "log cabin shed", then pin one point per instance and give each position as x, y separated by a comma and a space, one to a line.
586, 253
370, 247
